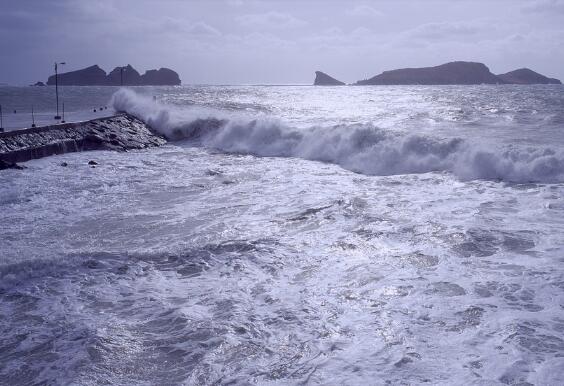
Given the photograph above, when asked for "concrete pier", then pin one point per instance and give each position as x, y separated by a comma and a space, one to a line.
120, 132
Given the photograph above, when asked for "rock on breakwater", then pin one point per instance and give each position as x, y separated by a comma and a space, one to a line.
120, 132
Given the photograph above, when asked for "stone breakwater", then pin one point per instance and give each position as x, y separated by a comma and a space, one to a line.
120, 132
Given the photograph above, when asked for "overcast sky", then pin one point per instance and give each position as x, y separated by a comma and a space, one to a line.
277, 42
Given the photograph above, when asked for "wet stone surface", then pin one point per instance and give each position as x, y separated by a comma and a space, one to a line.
121, 132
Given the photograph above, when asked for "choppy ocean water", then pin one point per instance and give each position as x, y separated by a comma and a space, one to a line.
294, 235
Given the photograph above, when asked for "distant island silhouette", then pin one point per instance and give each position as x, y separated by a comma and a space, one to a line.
527, 76
126, 75
322, 79
454, 73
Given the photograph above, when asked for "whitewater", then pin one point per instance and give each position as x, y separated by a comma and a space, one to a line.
293, 235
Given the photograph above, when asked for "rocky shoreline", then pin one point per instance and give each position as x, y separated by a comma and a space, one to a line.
120, 132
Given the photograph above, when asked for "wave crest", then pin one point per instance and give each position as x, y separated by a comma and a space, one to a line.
361, 148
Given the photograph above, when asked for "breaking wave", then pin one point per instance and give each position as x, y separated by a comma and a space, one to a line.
361, 148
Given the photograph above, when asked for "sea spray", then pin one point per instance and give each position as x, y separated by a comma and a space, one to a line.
363, 148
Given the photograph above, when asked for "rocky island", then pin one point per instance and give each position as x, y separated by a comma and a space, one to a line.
456, 73
527, 76
322, 79
449, 73
126, 75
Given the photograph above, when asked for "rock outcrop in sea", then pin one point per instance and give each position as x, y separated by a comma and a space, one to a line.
322, 79
121, 132
527, 76
449, 73
462, 73
95, 76
128, 74
89, 76
162, 76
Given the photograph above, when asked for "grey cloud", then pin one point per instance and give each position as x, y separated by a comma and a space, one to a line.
270, 20
444, 31
247, 41
545, 6
258, 40
177, 30
364, 11
202, 29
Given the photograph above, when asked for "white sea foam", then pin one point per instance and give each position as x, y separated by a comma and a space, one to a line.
362, 148
179, 265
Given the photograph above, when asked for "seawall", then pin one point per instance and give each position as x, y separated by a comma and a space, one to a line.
120, 132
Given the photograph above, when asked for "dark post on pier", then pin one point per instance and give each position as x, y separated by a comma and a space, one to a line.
32, 117
57, 88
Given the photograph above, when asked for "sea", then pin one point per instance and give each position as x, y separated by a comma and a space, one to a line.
290, 235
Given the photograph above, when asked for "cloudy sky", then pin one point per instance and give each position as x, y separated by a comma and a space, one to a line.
277, 42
